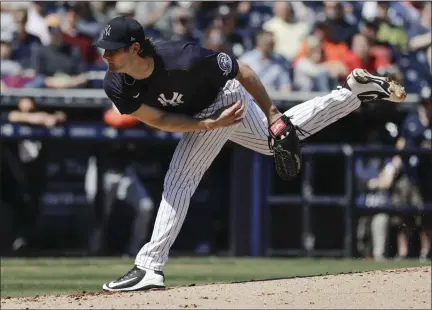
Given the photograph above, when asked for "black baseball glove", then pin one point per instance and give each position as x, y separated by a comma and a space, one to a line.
285, 145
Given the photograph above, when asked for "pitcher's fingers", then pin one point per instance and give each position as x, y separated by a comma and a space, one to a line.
239, 112
236, 122
272, 142
238, 105
231, 110
241, 107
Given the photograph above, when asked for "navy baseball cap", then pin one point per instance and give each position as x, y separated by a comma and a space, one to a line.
121, 32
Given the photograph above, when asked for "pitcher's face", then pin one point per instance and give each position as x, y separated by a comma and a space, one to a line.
118, 60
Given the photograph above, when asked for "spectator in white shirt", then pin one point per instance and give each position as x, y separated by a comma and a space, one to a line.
288, 32
36, 24
269, 66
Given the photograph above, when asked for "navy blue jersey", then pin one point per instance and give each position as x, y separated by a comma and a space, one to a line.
186, 79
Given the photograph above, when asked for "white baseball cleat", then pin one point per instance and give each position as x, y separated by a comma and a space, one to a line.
370, 87
137, 279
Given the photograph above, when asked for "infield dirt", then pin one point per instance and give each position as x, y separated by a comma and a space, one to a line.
408, 288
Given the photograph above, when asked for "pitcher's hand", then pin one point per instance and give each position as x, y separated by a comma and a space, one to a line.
227, 116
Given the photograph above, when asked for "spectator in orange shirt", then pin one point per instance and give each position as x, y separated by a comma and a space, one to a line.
310, 72
113, 118
334, 52
360, 56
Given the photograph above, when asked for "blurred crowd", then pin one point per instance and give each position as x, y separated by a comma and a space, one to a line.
303, 46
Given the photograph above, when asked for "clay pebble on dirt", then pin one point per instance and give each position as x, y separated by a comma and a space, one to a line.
408, 288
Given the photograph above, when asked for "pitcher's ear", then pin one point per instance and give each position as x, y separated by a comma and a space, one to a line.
135, 48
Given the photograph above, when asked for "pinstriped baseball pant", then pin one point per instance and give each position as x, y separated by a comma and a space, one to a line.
197, 150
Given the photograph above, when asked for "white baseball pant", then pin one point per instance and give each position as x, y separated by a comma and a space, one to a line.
197, 150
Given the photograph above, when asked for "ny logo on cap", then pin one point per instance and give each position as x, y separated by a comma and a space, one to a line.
107, 30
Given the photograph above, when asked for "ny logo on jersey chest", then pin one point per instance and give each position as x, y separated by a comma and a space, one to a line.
175, 101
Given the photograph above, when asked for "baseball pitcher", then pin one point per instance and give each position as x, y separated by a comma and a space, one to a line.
181, 87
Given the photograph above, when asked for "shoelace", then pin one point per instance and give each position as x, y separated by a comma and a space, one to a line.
128, 274
301, 142
303, 132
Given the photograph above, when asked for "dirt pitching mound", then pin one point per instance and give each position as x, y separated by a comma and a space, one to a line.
400, 288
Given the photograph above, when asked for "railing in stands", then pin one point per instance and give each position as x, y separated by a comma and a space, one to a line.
308, 199
95, 98
90, 98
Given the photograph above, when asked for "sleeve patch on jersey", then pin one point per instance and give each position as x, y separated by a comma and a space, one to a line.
224, 63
